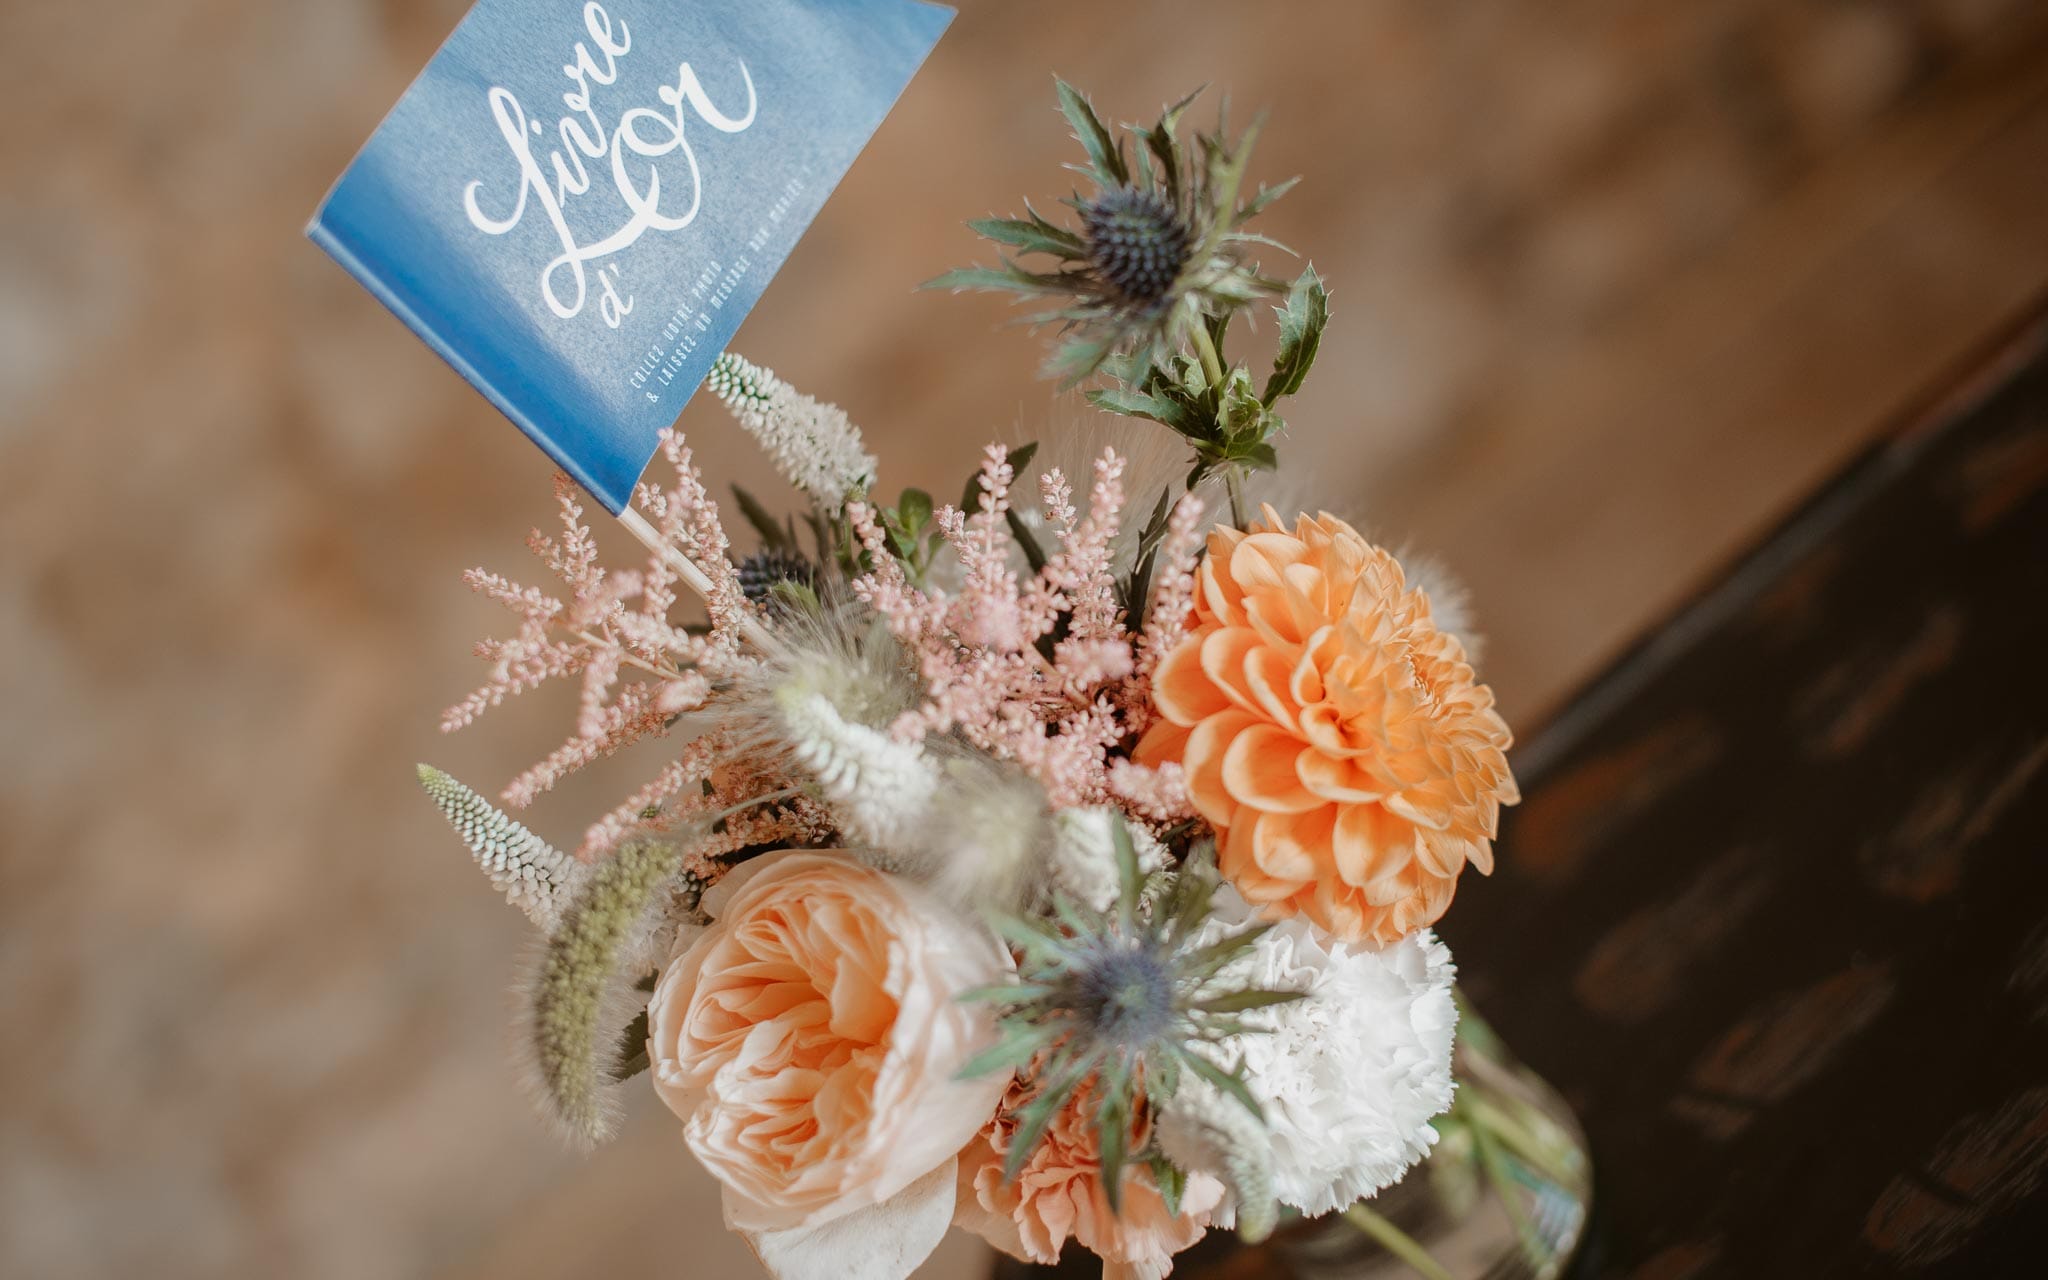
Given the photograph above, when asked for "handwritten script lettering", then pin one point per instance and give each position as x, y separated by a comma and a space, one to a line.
637, 150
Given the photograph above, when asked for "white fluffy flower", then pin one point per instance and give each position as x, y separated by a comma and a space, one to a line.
1084, 855
1350, 1077
877, 787
815, 446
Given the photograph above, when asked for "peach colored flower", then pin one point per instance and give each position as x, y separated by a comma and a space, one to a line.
1058, 1195
1333, 736
810, 1038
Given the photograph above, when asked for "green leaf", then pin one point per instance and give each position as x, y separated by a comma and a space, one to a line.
1030, 235
1009, 278
1189, 906
1240, 1001
1162, 141
1229, 1082
1171, 1179
1113, 1132
1019, 458
1019, 1044
1077, 359
1261, 455
798, 596
1137, 404
1209, 960
1104, 153
1034, 555
1130, 880
1164, 1081
1138, 591
773, 536
1302, 319
1039, 1112
1241, 415
914, 511
1028, 934
1009, 992
632, 1049
1266, 196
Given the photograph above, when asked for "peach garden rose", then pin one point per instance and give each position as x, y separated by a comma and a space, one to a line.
810, 1040
1333, 736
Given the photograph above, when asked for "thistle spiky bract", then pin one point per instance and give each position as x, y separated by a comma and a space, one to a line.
1161, 246
1121, 996
534, 876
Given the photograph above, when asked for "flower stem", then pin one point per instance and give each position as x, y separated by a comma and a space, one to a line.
1483, 1113
1212, 360
1233, 483
1509, 1190
1396, 1241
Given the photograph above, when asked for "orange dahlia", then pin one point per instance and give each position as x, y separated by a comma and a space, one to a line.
1336, 740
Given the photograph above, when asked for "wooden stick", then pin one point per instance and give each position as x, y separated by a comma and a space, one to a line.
693, 577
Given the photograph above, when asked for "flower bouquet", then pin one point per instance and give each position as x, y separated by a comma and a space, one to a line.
1059, 870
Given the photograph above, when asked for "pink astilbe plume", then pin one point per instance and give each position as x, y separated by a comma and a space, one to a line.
611, 631
992, 668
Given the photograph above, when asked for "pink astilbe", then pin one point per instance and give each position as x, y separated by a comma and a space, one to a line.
1158, 792
610, 630
1084, 570
983, 653
1167, 610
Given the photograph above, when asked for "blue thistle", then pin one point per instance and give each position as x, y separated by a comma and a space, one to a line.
1123, 997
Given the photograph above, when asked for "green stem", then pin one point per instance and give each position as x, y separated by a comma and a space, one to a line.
1510, 1192
1212, 360
1233, 483
1483, 1113
1397, 1242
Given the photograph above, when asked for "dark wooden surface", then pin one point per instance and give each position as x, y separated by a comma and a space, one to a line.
1774, 915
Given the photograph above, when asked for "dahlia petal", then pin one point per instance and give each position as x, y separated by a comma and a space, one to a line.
1259, 771
1336, 778
1259, 561
1181, 690
1418, 806
1223, 655
1237, 858
1205, 749
1219, 592
1305, 682
1441, 855
1286, 845
1369, 846
1266, 674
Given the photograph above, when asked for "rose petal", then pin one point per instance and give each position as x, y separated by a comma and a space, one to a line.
886, 1241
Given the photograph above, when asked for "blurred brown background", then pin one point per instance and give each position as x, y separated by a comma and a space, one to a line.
1614, 284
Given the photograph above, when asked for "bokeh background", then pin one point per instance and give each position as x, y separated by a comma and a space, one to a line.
1615, 283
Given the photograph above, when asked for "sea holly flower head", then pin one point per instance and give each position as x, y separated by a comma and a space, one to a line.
1123, 1002
1161, 246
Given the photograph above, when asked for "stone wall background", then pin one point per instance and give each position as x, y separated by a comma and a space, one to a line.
1615, 284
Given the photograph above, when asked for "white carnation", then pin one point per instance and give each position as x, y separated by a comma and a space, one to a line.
1350, 1077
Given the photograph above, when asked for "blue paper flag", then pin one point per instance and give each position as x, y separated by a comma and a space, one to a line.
576, 204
